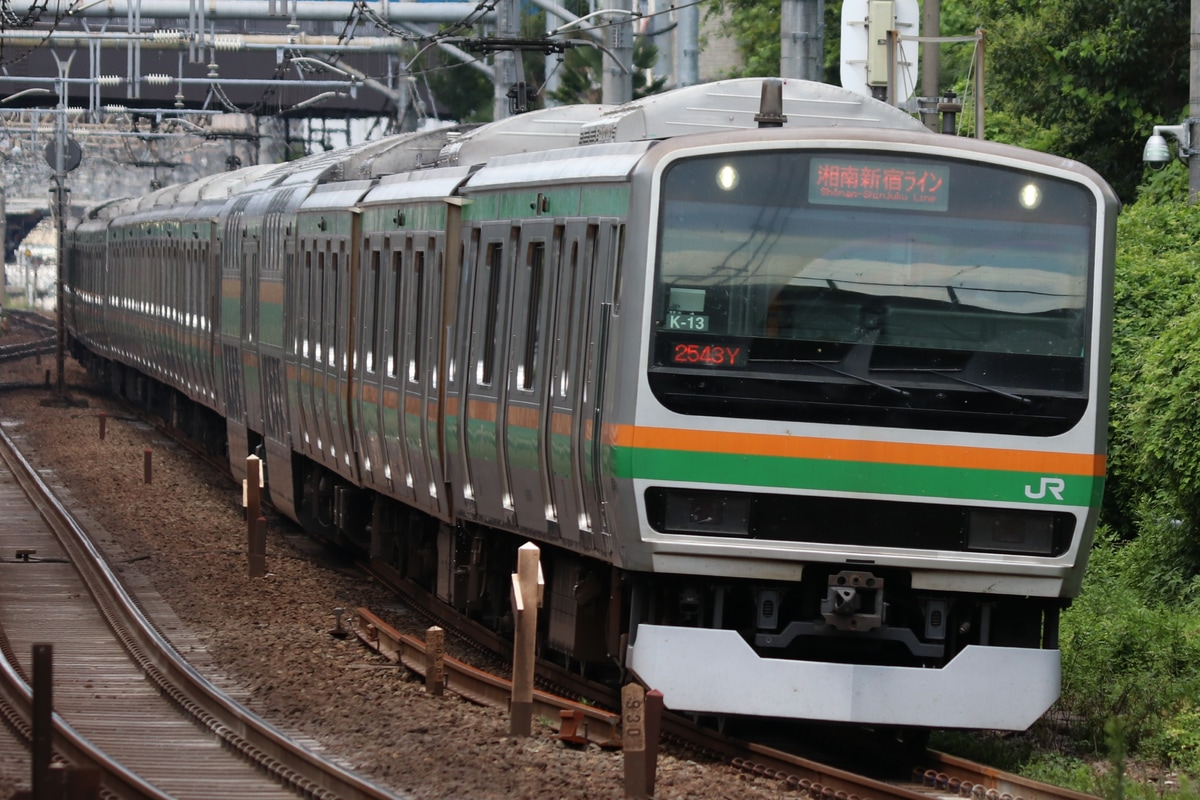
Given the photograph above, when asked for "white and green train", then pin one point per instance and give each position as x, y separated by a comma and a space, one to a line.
804, 404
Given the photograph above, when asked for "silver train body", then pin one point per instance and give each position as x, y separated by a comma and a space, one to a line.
808, 420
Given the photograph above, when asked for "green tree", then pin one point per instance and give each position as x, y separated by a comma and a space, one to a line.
1085, 79
581, 78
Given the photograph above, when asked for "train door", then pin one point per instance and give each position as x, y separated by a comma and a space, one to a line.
420, 324
435, 323
486, 378
602, 252
392, 409
344, 368
300, 378
565, 442
369, 396
325, 294
233, 277
251, 279
525, 425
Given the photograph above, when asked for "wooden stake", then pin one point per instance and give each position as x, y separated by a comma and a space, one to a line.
258, 547
654, 709
147, 472
633, 739
103, 424
435, 670
527, 586
253, 489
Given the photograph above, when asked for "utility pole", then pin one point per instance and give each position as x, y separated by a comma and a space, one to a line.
508, 26
802, 43
931, 54
617, 82
687, 48
61, 164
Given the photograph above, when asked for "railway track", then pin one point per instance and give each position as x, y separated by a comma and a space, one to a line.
38, 336
929, 775
126, 703
921, 776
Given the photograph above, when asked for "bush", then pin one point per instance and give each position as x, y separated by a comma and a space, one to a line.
1128, 659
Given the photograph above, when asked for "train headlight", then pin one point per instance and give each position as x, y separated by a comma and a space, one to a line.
1030, 196
727, 178
1005, 531
707, 513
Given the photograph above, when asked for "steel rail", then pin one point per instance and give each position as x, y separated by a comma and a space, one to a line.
240, 729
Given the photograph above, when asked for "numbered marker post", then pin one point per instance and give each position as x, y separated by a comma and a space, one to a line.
633, 739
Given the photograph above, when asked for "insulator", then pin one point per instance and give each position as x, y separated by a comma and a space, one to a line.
167, 36
115, 109
108, 80
157, 79
229, 42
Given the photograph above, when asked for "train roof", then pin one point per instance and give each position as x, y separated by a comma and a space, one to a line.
370, 159
336, 196
732, 104
423, 185
544, 129
590, 163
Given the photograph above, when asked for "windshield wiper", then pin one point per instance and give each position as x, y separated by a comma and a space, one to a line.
825, 366
1025, 401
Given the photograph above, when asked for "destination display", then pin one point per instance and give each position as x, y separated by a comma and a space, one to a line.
879, 184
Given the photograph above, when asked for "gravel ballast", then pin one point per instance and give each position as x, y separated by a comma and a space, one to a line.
269, 638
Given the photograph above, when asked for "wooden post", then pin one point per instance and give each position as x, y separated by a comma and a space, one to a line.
147, 472
253, 490
258, 547
633, 739
42, 751
103, 424
527, 586
654, 709
435, 670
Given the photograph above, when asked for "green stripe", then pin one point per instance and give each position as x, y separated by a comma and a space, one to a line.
853, 476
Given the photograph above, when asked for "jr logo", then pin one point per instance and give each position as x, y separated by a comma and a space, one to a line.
1054, 486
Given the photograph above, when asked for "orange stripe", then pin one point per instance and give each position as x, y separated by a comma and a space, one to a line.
560, 424
481, 409
524, 417
930, 455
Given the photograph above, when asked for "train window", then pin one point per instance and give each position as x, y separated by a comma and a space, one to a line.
318, 306
567, 323
535, 269
304, 290
398, 314
618, 260
372, 337
495, 265
289, 285
417, 290
333, 319
824, 285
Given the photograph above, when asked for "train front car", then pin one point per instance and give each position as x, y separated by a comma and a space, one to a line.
866, 447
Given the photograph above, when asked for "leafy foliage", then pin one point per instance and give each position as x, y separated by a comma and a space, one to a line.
582, 76
1155, 307
1131, 654
1098, 75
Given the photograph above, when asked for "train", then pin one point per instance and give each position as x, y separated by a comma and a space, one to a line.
804, 404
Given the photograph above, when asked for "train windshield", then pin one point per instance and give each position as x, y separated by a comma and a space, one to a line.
863, 288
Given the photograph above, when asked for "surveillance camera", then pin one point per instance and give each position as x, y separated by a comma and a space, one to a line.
1156, 153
